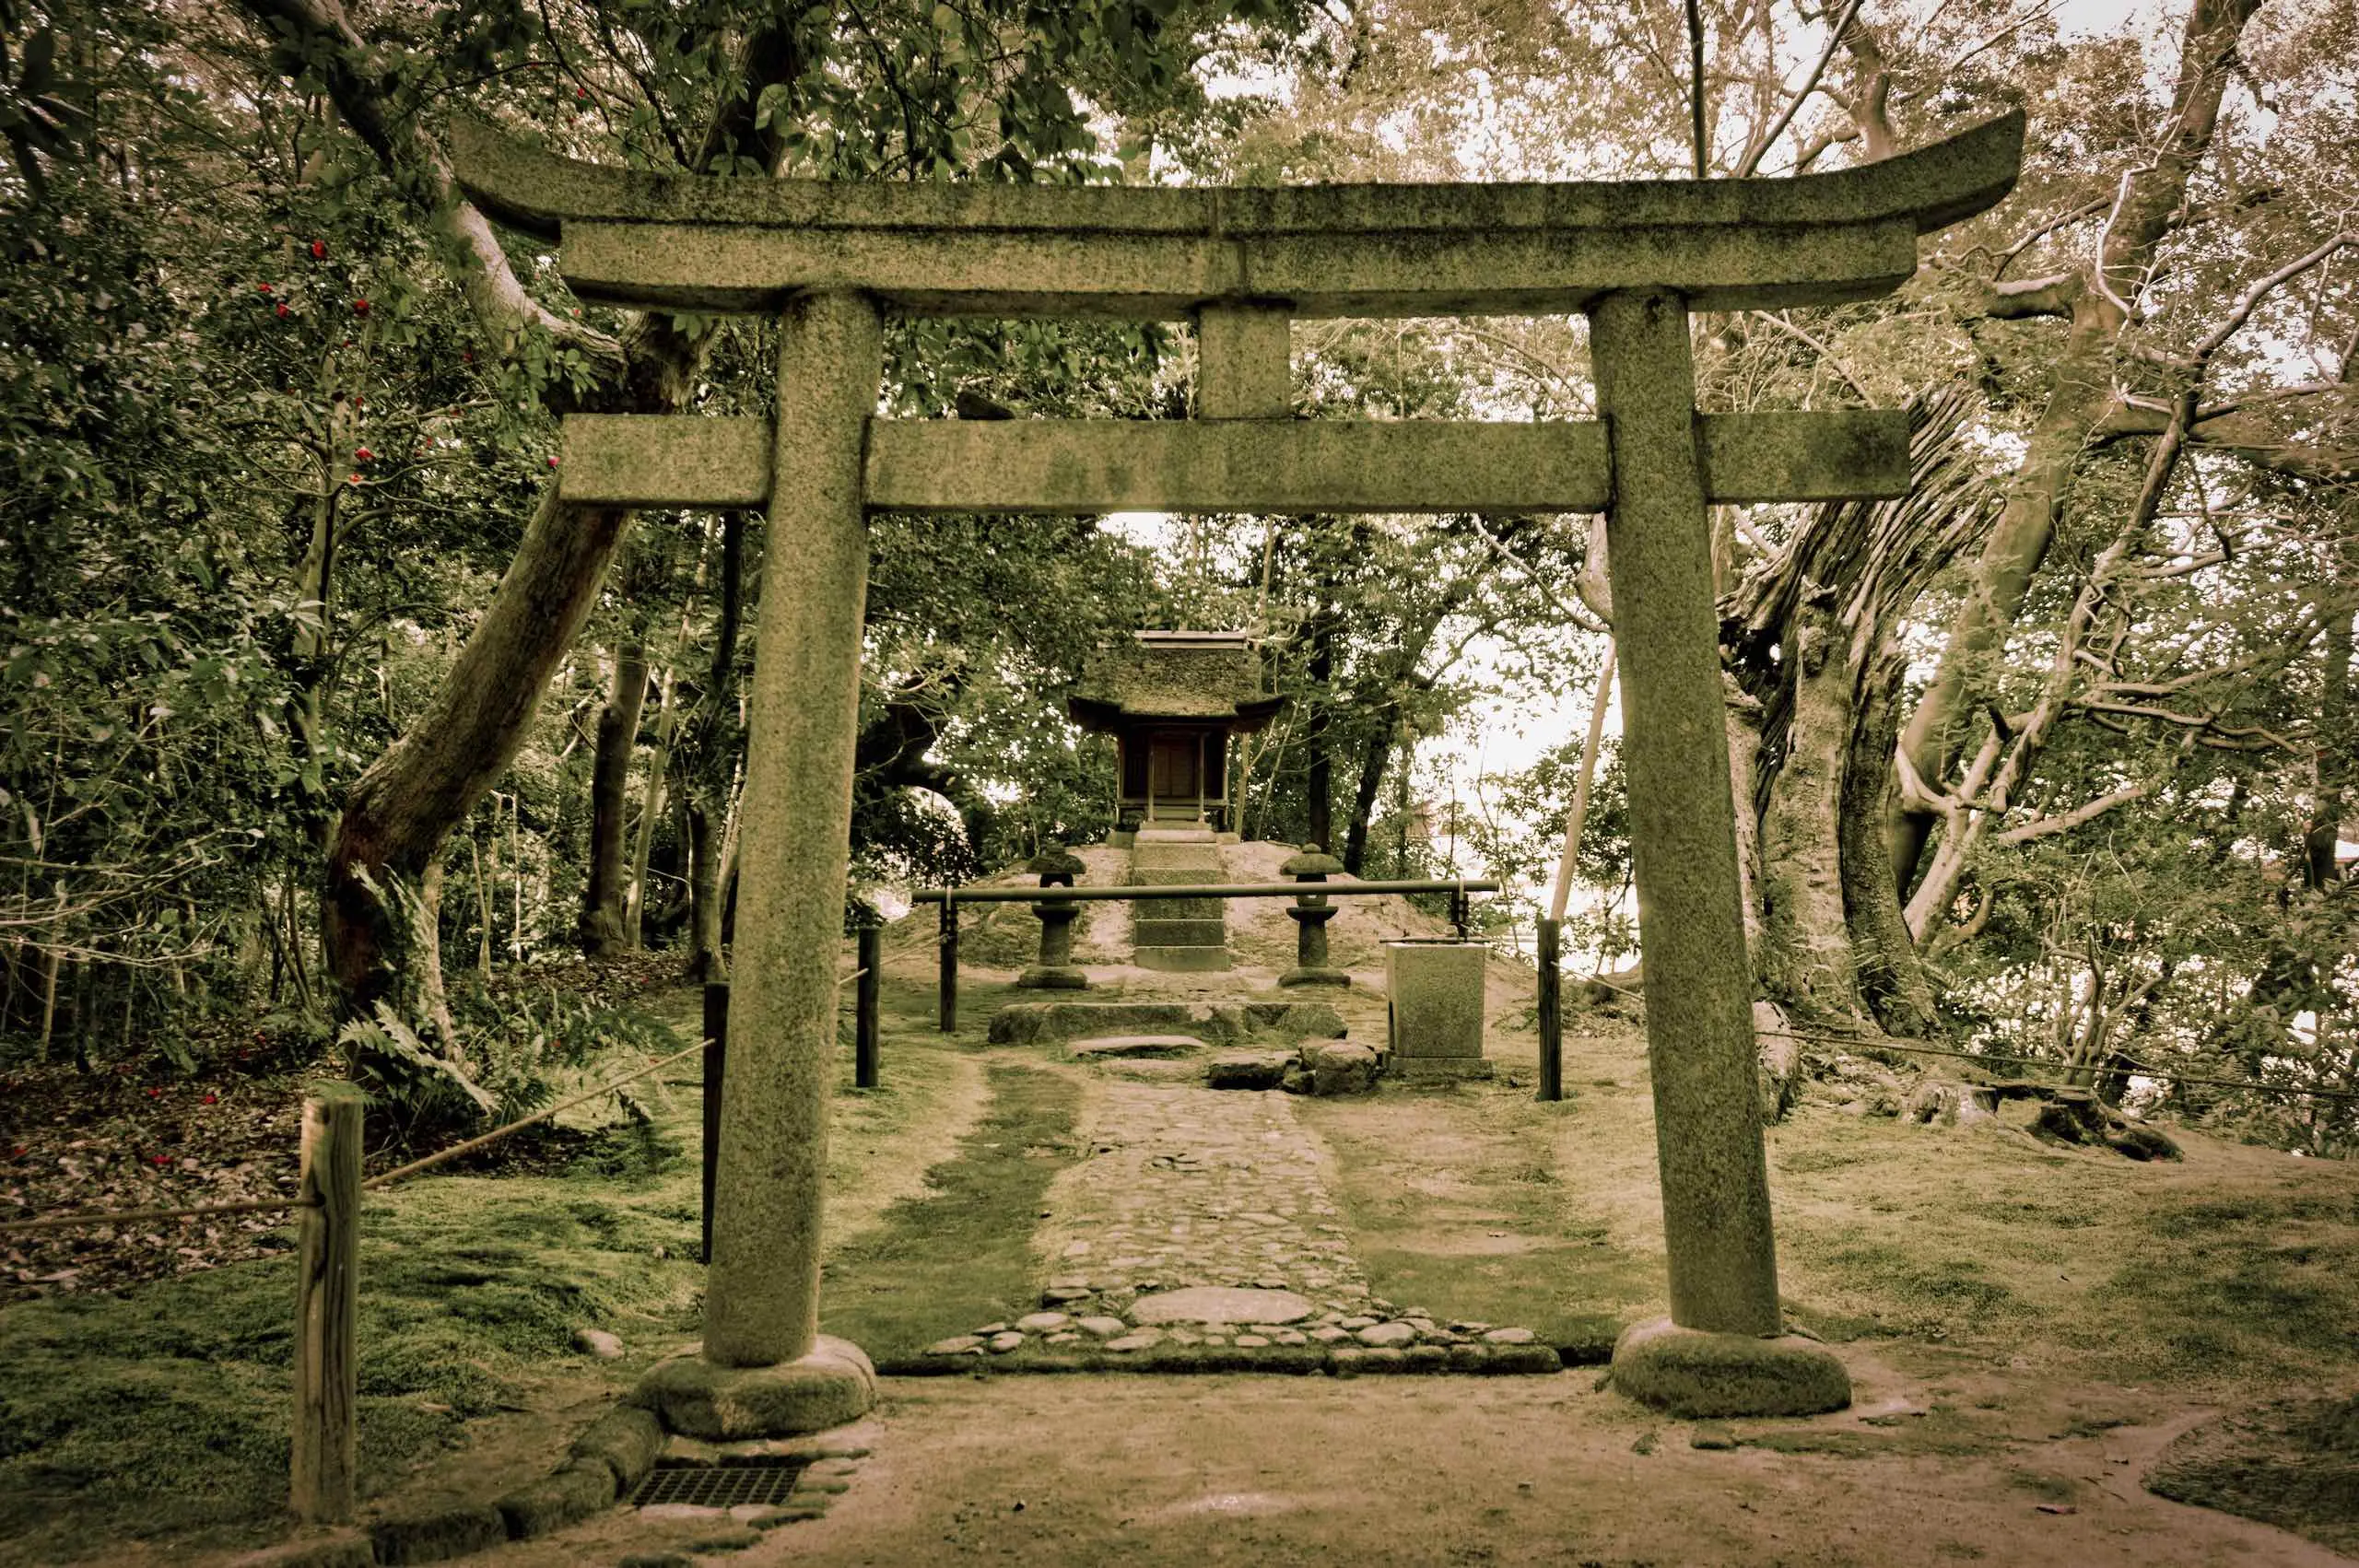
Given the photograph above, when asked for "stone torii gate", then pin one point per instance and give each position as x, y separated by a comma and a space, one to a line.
829, 261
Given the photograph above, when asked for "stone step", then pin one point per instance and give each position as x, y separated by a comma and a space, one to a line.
1135, 1046
1178, 857
1182, 876
1180, 909
1180, 931
1024, 1022
1190, 833
1182, 960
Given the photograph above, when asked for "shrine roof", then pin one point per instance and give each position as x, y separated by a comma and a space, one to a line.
1201, 677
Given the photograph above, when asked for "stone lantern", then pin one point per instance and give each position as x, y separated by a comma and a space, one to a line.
1311, 913
1056, 866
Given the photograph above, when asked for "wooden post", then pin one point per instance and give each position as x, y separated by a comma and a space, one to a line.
1552, 1019
872, 964
327, 1304
949, 963
716, 1062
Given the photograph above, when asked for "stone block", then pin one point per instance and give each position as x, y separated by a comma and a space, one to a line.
572, 1494
833, 1385
1054, 977
1296, 1020
1182, 960
1171, 876
1218, 1304
1697, 1377
1436, 990
1027, 1022
1438, 1068
1248, 1070
627, 1440
1315, 978
442, 1533
1339, 1067
1135, 1046
1158, 931
1156, 857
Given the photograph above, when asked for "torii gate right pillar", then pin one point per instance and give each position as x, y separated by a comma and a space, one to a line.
1720, 1351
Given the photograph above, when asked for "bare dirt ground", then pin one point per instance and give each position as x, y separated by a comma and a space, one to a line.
1148, 1473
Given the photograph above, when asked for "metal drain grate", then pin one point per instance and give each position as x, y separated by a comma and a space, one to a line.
725, 1485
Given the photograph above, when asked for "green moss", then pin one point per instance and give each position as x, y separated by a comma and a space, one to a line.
960, 1255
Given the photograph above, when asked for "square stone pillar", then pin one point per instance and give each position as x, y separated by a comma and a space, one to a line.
762, 1295
1436, 1006
1683, 829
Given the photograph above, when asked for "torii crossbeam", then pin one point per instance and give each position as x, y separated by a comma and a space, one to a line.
831, 260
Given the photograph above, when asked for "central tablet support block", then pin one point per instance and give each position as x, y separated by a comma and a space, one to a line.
1637, 258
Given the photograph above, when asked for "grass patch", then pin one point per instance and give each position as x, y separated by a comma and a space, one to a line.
1504, 1237
163, 1411
2294, 1464
962, 1254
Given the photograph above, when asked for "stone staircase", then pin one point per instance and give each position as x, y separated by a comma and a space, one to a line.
1186, 935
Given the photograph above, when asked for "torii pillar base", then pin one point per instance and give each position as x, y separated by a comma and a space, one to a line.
833, 1385
1696, 1376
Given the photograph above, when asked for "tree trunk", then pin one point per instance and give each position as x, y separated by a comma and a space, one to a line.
432, 1003
402, 809
706, 760
1806, 957
1318, 759
651, 806
1891, 975
2152, 203
602, 901
1372, 766
2338, 740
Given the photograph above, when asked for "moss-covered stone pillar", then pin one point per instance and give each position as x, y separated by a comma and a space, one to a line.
761, 1301
1682, 831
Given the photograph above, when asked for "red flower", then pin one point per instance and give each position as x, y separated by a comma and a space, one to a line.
319, 250
552, 463
263, 286
470, 355
160, 1159
155, 1093
282, 309
18, 1153
211, 1099
352, 479
364, 455
581, 92
360, 307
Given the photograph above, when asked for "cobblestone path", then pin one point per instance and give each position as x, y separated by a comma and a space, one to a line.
1201, 1222
1186, 1186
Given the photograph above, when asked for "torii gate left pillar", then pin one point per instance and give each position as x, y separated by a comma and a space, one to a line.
1635, 257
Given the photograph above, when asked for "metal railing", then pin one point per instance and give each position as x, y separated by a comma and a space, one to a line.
1315, 893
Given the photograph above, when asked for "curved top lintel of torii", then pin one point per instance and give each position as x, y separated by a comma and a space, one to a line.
705, 242
1933, 187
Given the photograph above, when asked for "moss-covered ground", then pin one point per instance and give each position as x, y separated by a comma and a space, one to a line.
160, 1413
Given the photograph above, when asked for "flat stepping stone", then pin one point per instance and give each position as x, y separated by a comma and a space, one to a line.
1113, 1045
1222, 1303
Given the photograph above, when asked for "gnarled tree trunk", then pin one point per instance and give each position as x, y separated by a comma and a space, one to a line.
607, 893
